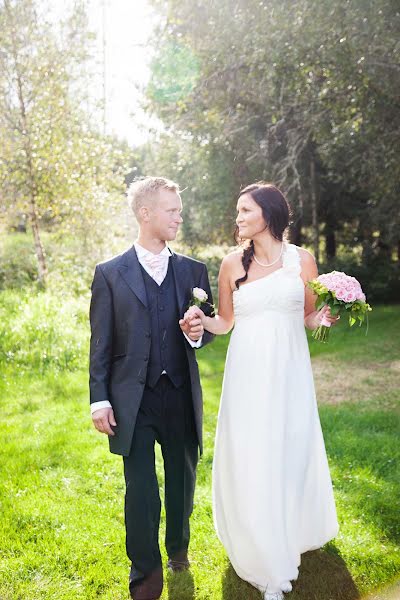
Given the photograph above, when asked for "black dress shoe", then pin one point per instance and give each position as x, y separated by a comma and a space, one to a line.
149, 588
178, 562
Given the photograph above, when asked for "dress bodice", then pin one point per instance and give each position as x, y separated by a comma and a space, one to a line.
282, 290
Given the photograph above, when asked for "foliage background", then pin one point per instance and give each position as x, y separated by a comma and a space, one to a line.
303, 93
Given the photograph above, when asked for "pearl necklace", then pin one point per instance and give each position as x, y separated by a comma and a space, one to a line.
269, 264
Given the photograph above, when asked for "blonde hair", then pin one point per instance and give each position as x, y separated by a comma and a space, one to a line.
145, 189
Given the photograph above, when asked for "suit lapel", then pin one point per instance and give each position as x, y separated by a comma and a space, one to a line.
182, 281
132, 274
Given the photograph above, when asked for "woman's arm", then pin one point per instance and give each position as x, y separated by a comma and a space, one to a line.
309, 271
223, 321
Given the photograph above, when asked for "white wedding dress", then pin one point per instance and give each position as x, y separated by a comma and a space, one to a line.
272, 491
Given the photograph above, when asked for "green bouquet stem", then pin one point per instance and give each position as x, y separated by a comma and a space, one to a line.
321, 333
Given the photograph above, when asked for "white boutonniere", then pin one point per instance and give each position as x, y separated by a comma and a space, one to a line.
199, 297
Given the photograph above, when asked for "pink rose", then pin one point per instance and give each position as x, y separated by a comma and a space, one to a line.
350, 296
341, 294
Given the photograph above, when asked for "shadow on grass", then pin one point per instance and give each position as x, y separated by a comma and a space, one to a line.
180, 586
234, 588
323, 576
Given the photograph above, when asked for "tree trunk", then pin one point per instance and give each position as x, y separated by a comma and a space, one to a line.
297, 205
384, 250
40, 253
31, 183
296, 234
314, 210
330, 228
330, 241
367, 239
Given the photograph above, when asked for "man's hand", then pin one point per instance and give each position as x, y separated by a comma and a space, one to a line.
191, 324
103, 419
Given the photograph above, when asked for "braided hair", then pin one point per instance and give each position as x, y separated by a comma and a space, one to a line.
247, 257
276, 214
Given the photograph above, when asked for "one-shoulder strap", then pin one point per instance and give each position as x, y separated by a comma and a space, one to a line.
291, 259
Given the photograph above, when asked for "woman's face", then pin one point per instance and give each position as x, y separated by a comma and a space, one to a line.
249, 220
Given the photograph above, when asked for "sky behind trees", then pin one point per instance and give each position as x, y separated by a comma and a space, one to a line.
128, 26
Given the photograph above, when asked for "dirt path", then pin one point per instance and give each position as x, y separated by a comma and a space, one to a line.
335, 382
391, 593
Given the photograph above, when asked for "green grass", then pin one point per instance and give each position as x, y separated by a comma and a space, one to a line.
42, 331
61, 491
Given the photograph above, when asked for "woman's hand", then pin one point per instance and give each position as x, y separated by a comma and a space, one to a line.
313, 320
194, 312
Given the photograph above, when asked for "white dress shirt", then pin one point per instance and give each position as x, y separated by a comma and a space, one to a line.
142, 253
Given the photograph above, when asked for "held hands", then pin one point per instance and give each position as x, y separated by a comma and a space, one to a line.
103, 419
192, 323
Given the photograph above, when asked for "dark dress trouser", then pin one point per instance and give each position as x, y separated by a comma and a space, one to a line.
165, 416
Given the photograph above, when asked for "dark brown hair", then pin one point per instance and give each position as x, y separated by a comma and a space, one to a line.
276, 214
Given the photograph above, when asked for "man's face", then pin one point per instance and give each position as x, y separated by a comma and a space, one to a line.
165, 215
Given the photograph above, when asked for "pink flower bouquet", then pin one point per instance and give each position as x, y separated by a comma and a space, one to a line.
341, 293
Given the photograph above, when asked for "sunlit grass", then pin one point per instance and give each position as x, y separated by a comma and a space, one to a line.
61, 491
42, 331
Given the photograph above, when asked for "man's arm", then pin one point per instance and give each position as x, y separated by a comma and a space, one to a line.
101, 323
194, 343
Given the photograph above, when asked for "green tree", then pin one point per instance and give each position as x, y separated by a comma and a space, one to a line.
304, 93
53, 161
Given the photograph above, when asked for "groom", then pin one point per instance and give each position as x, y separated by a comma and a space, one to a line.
144, 379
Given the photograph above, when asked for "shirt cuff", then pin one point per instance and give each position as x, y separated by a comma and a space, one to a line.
194, 344
98, 405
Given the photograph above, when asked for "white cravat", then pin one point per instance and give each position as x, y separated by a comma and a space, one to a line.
156, 265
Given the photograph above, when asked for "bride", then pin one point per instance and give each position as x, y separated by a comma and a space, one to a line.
272, 492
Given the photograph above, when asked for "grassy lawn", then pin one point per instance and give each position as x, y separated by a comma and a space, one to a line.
61, 491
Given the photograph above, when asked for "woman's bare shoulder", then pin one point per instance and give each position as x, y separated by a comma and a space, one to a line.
309, 269
231, 267
233, 260
234, 256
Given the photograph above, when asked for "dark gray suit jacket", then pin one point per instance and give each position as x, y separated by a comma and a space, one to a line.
121, 337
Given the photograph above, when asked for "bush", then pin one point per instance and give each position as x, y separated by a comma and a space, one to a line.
18, 265
379, 280
42, 331
70, 269
212, 256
